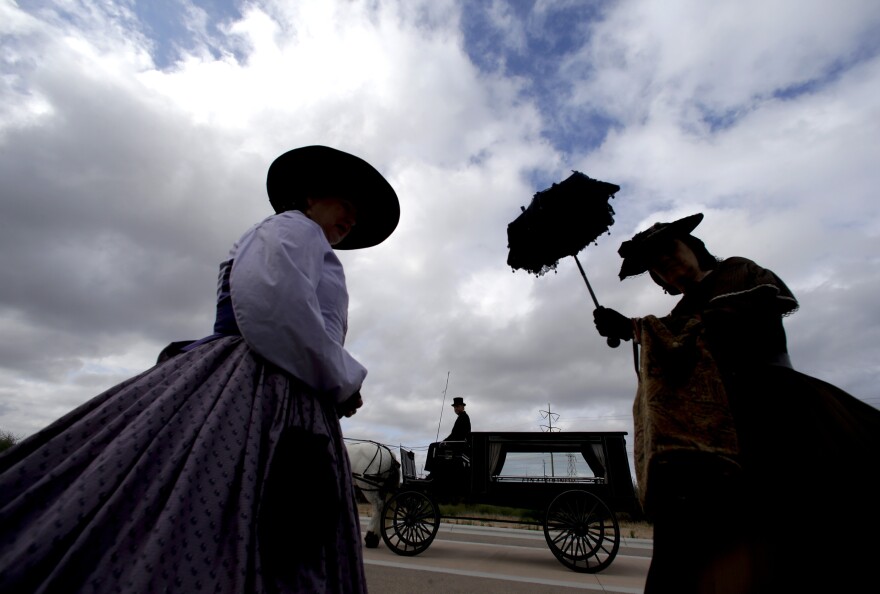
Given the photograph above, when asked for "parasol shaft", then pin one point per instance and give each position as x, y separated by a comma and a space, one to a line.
612, 342
584, 274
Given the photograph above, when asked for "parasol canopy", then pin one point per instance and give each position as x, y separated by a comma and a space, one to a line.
559, 222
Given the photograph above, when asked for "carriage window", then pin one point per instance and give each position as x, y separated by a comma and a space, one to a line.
545, 464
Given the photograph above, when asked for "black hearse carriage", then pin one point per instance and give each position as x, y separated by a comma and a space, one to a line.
578, 506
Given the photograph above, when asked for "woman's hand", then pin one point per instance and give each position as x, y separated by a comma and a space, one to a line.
350, 406
612, 324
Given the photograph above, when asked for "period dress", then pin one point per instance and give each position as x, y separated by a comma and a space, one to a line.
802, 515
221, 469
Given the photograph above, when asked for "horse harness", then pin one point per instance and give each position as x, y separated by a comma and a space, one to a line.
381, 480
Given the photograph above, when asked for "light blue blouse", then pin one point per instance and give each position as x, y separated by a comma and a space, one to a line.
291, 303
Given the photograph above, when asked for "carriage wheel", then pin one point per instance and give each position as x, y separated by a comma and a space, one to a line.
409, 523
582, 531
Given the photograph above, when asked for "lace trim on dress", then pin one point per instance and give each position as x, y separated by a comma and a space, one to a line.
791, 304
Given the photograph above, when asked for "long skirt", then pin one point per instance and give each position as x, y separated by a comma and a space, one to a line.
805, 518
213, 471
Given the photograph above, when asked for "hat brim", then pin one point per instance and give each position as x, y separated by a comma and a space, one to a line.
635, 252
320, 171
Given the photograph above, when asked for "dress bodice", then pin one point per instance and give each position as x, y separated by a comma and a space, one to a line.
286, 287
741, 306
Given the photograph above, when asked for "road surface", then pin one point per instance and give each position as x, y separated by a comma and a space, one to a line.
467, 559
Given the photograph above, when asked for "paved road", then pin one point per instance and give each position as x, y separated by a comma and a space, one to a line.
467, 559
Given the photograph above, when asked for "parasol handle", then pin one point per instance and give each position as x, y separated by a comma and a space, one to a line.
612, 342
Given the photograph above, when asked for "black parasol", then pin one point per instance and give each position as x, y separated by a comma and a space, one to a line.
561, 221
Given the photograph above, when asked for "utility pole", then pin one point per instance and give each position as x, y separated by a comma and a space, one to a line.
549, 428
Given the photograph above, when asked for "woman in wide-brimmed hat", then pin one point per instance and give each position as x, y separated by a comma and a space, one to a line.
758, 477
222, 468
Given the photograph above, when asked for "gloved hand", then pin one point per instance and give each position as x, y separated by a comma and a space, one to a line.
612, 324
350, 406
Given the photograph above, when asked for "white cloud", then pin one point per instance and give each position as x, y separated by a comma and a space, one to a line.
124, 184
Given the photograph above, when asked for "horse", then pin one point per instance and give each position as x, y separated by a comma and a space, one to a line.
376, 472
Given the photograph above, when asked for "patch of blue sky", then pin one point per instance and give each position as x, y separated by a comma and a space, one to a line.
78, 14
580, 132
868, 50
531, 45
807, 87
720, 120
540, 179
168, 24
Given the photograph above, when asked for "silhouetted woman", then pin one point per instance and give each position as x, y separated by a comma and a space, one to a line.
222, 468
757, 477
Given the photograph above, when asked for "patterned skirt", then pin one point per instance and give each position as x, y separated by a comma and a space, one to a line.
213, 471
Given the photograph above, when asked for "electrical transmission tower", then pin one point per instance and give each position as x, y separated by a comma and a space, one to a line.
572, 465
550, 416
549, 428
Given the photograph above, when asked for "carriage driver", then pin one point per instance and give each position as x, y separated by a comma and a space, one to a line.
450, 456
461, 430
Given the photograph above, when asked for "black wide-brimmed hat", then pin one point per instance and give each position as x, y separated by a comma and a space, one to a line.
458, 400
320, 171
636, 251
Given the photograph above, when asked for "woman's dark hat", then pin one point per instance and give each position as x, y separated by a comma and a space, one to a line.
458, 400
635, 252
320, 171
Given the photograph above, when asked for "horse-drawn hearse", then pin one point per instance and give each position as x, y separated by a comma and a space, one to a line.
577, 503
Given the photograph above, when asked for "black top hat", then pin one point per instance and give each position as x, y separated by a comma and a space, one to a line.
320, 171
635, 252
458, 400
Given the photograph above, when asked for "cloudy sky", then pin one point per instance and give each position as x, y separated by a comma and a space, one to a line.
135, 139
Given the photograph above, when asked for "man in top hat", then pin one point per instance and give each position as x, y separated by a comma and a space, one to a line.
462, 428
449, 457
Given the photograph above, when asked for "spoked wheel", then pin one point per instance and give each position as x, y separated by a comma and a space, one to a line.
582, 531
409, 523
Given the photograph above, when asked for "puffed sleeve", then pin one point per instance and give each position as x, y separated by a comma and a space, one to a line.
746, 284
277, 268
